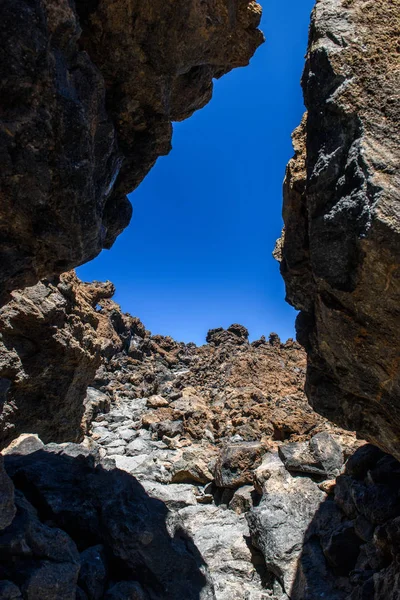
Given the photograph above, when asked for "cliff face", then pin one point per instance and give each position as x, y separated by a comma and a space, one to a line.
88, 93
340, 250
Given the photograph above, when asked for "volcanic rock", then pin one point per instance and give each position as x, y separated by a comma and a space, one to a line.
51, 342
235, 465
340, 250
322, 455
88, 95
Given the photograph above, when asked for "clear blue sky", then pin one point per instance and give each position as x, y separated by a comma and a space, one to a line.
197, 253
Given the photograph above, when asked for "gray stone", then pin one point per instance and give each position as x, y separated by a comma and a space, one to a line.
242, 500
190, 468
322, 456
174, 495
117, 443
278, 525
24, 444
138, 446
220, 536
167, 428
118, 451
126, 434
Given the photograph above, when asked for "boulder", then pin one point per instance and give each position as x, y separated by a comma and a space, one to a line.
24, 444
279, 523
236, 463
321, 456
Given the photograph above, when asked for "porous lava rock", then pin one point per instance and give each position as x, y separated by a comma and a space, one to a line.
88, 94
340, 250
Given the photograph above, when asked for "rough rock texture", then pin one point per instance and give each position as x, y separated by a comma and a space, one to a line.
88, 93
203, 472
340, 251
55, 335
351, 548
100, 523
51, 340
192, 425
123, 533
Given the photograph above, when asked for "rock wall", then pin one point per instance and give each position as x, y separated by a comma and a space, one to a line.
340, 250
88, 94
51, 343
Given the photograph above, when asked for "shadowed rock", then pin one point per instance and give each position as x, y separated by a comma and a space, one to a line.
108, 517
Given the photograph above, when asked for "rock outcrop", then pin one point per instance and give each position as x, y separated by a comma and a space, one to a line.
51, 342
340, 250
88, 93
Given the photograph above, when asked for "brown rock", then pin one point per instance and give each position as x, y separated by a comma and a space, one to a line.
236, 463
157, 402
88, 95
341, 253
51, 342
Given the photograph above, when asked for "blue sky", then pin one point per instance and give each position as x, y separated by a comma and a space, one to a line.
197, 253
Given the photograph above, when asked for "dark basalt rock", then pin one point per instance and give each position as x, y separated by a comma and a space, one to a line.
119, 530
351, 547
340, 250
88, 93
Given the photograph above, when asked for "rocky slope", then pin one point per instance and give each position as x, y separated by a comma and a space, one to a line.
340, 251
62, 335
202, 472
88, 93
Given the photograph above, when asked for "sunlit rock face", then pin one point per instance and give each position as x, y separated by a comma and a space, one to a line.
88, 93
340, 251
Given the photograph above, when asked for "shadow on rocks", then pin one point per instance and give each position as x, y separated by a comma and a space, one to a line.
351, 549
87, 531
